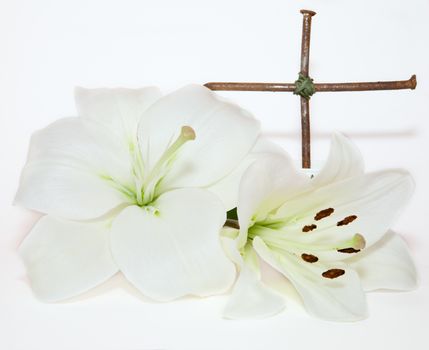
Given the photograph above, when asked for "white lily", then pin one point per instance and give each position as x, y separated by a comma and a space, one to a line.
130, 186
326, 235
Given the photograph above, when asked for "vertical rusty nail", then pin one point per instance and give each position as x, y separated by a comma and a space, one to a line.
305, 43
305, 106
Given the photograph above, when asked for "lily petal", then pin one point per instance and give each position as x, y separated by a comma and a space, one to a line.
66, 258
339, 299
227, 188
386, 265
375, 199
229, 245
344, 161
265, 185
69, 171
119, 109
250, 298
174, 250
220, 127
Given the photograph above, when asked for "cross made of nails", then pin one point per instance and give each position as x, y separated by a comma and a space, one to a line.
305, 88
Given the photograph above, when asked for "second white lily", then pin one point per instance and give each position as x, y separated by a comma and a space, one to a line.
326, 235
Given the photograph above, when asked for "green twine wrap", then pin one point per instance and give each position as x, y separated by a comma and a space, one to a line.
304, 87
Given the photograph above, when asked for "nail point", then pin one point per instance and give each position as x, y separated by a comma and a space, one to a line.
413, 81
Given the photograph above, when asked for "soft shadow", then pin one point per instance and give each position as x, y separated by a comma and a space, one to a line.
118, 281
27, 219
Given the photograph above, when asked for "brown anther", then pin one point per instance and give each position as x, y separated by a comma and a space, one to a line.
324, 213
333, 273
348, 250
308, 228
347, 220
309, 258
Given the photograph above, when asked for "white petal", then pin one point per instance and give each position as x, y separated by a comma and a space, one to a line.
386, 265
119, 109
376, 199
225, 134
229, 245
65, 174
339, 299
66, 258
265, 185
227, 188
175, 251
344, 161
250, 298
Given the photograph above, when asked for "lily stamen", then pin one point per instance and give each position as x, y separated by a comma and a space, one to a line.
142, 191
273, 238
187, 133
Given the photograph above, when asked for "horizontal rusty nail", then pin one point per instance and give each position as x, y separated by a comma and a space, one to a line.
320, 87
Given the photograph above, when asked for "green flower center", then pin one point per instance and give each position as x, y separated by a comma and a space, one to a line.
143, 189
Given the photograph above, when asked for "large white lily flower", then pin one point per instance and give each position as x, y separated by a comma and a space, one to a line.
326, 235
133, 185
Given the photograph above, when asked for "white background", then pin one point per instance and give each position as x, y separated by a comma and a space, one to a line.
48, 47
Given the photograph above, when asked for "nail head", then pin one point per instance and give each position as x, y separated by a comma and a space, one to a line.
308, 12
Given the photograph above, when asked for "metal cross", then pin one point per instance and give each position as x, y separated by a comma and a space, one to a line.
305, 88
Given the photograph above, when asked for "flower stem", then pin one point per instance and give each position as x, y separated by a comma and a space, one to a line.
231, 223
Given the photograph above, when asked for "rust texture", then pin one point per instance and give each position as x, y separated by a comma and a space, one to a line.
305, 102
319, 87
272, 87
